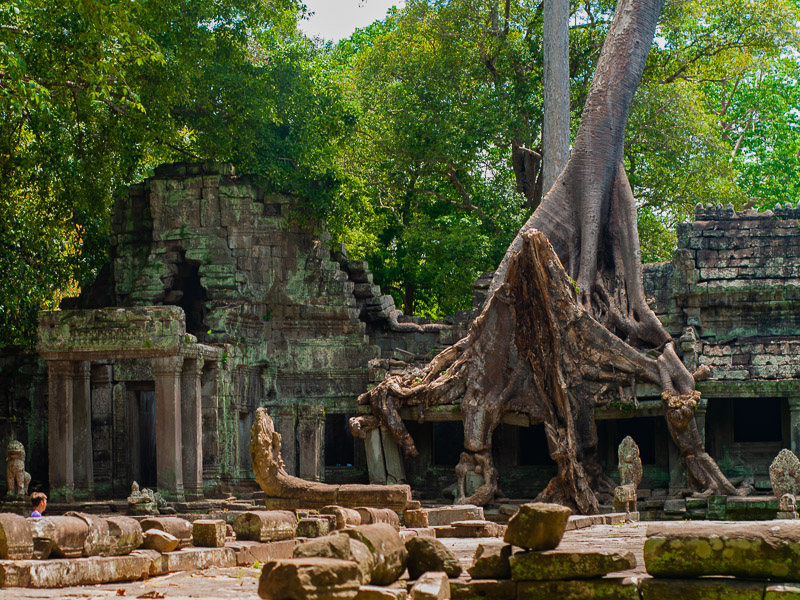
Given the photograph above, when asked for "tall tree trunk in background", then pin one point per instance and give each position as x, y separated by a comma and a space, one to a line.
565, 321
555, 130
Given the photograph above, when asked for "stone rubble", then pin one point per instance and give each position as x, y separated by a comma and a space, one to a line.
537, 526
429, 554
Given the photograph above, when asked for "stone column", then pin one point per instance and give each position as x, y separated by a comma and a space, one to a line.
311, 438
82, 430
700, 418
794, 424
60, 374
395, 469
191, 428
102, 417
287, 422
167, 373
376, 465
210, 421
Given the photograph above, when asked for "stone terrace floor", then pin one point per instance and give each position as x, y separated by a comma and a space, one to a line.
242, 583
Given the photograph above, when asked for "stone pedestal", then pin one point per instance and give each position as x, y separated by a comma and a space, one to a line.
191, 428
167, 372
61, 374
83, 467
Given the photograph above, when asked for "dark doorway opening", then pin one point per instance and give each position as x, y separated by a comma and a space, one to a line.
533, 451
148, 473
757, 420
448, 442
188, 292
339, 443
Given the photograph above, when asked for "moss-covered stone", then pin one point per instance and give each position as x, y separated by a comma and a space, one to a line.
588, 589
537, 526
564, 564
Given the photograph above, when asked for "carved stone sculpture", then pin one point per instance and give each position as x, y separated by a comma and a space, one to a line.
787, 507
630, 474
289, 492
784, 474
142, 502
16, 476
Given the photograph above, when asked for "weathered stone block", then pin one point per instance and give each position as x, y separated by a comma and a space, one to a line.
66, 535
208, 533
371, 515
344, 516
609, 588
181, 529
16, 541
313, 527
265, 525
155, 539
483, 589
309, 579
431, 586
445, 515
701, 589
429, 554
753, 550
415, 518
385, 544
537, 526
377, 592
125, 535
491, 561
564, 564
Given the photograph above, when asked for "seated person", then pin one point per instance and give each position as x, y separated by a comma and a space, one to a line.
39, 502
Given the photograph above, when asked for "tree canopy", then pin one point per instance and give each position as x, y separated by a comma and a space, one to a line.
418, 139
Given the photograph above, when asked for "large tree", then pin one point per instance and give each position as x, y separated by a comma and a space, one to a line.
565, 324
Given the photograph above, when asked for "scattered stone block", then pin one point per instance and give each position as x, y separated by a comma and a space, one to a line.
265, 525
208, 533
445, 515
429, 554
611, 588
377, 592
329, 546
155, 539
16, 541
181, 529
415, 518
753, 550
371, 515
537, 526
491, 561
476, 528
701, 589
386, 546
125, 533
312, 527
484, 589
431, 586
93, 570
193, 559
66, 535
248, 552
675, 506
565, 564
98, 538
309, 579
344, 516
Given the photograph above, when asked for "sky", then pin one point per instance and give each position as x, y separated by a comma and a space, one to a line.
337, 19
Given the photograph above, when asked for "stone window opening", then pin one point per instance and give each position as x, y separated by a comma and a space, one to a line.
187, 291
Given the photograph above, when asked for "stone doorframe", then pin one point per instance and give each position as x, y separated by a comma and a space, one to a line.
70, 339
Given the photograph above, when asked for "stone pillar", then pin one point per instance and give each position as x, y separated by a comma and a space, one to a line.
311, 437
794, 424
376, 465
191, 428
287, 422
700, 418
210, 420
60, 374
167, 372
395, 469
678, 477
102, 418
82, 455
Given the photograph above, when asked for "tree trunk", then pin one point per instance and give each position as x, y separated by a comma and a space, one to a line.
555, 130
562, 327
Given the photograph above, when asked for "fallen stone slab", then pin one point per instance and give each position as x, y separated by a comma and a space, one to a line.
431, 586
584, 521
396, 497
193, 559
65, 536
312, 527
248, 553
701, 589
387, 548
265, 525
180, 528
56, 573
160, 541
609, 588
309, 579
208, 533
429, 554
343, 547
491, 561
445, 515
537, 526
756, 550
378, 592
477, 528
125, 533
16, 541
371, 515
344, 516
484, 589
564, 564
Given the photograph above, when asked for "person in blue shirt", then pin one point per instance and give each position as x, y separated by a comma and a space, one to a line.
39, 502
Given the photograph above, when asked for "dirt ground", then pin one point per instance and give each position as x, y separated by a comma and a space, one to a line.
242, 582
